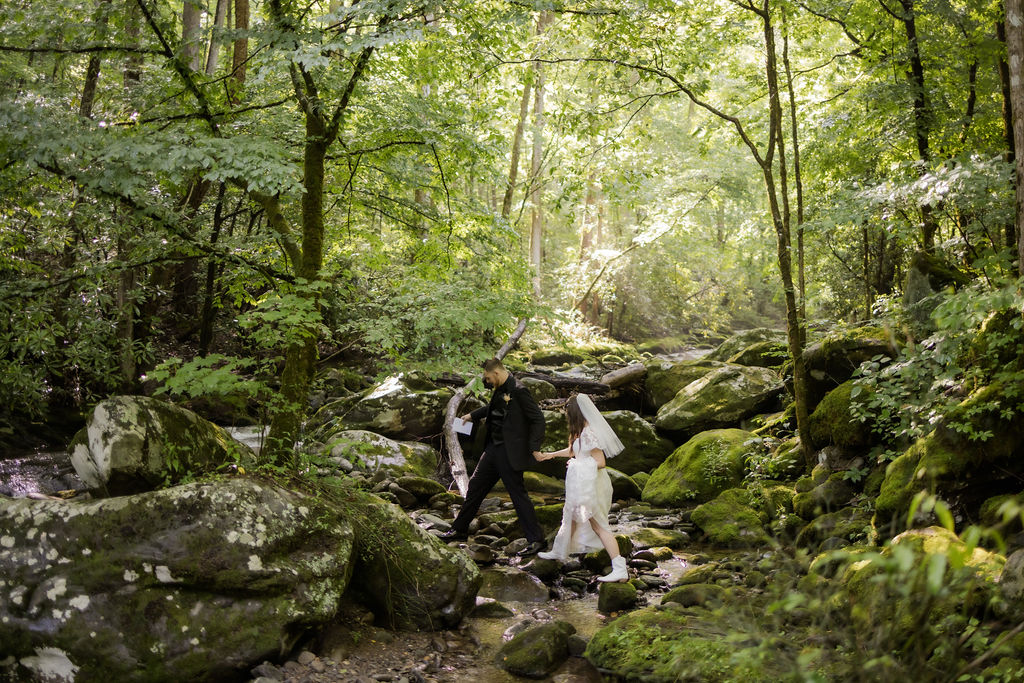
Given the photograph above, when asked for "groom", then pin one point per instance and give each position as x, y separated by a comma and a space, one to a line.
515, 429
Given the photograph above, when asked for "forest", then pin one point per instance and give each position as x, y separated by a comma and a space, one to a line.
779, 242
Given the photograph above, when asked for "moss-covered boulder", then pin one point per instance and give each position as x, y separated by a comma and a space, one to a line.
848, 526
135, 443
659, 644
616, 597
649, 537
623, 486
665, 345
700, 469
765, 354
539, 388
832, 422
196, 582
666, 378
423, 488
406, 575
832, 360
830, 495
742, 341
371, 452
730, 520
541, 483
962, 470
405, 406
696, 594
720, 399
643, 448
537, 651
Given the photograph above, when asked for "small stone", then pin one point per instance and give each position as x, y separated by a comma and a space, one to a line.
268, 671
318, 666
516, 546
489, 608
305, 658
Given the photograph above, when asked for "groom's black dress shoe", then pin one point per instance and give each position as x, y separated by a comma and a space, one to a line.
532, 549
454, 535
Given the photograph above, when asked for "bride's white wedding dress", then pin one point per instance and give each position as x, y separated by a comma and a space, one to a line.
588, 495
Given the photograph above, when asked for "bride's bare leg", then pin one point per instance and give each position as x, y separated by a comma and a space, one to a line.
607, 539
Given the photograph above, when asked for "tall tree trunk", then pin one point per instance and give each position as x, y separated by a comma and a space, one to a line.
517, 141
536, 195
92, 71
191, 15
1015, 53
133, 29
206, 318
213, 56
922, 115
239, 51
126, 332
781, 219
798, 178
1010, 228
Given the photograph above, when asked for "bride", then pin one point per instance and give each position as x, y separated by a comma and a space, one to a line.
588, 489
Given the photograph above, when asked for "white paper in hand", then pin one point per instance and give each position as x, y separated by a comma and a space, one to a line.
462, 427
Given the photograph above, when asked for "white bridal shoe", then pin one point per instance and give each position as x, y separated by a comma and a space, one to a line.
619, 572
549, 555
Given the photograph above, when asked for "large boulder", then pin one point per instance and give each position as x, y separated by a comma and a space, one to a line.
948, 462
721, 398
700, 469
839, 528
828, 496
832, 422
509, 584
730, 520
833, 360
135, 443
666, 378
371, 452
405, 406
405, 574
740, 343
643, 449
197, 582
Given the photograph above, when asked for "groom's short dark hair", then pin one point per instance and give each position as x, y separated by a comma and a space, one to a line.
491, 364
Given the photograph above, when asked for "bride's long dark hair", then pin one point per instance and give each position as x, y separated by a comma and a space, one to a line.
574, 418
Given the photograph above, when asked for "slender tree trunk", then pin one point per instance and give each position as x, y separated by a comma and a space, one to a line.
798, 178
922, 116
133, 29
126, 321
240, 51
1010, 228
206, 318
517, 141
213, 56
867, 272
92, 71
191, 15
536, 195
1015, 53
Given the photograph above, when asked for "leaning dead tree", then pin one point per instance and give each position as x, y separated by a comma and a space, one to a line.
456, 461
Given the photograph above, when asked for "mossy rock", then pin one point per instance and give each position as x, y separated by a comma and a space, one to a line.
697, 594
702, 573
765, 354
135, 443
406, 406
996, 345
1002, 511
371, 452
665, 345
649, 537
421, 487
537, 651
666, 378
641, 479
773, 499
700, 469
948, 463
742, 341
833, 360
623, 486
549, 516
832, 422
657, 644
509, 584
852, 525
539, 388
600, 561
616, 597
720, 399
541, 483
643, 448
830, 495
730, 521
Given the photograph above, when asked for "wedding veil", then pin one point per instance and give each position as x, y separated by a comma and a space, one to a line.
606, 439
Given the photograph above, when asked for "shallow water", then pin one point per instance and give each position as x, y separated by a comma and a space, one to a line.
39, 472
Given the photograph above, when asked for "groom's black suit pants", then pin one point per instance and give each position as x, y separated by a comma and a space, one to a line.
494, 465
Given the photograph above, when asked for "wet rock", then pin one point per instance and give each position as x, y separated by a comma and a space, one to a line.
616, 597
134, 443
512, 585
537, 652
699, 574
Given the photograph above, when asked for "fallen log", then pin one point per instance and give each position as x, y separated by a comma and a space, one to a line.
627, 375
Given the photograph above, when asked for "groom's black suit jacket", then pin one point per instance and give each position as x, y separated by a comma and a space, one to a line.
522, 428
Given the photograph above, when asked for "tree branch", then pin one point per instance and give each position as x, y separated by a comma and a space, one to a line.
85, 49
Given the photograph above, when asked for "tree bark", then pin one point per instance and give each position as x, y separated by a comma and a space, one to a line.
1010, 228
191, 15
798, 178
213, 56
1015, 56
240, 51
92, 71
536, 195
133, 62
517, 141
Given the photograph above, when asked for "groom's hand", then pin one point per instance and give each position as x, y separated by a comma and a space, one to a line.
466, 418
